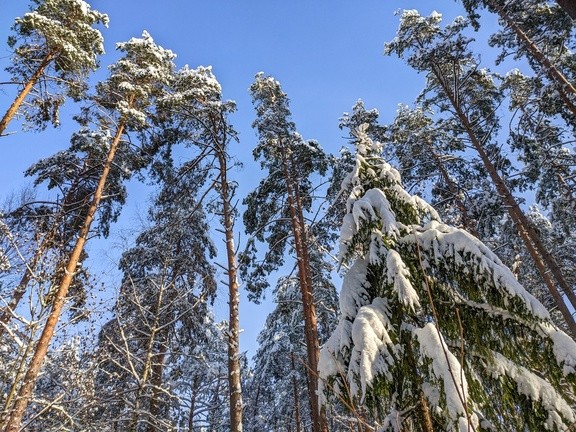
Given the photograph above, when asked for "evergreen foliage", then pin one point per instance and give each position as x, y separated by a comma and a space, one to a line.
56, 46
435, 330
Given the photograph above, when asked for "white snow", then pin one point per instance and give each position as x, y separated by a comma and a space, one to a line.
532, 386
447, 368
398, 275
442, 241
564, 347
354, 295
373, 351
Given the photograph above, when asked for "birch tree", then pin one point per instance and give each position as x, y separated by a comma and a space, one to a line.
200, 121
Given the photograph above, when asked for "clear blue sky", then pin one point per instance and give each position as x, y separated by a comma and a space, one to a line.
326, 54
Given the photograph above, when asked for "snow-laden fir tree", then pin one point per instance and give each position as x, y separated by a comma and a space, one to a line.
435, 332
56, 46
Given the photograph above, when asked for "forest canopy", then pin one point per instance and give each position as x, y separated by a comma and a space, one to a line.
416, 275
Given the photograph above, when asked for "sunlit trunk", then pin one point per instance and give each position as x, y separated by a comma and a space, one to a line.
13, 109
29, 382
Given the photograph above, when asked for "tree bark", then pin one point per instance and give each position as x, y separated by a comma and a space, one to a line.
156, 380
425, 412
541, 257
569, 6
25, 393
306, 288
192, 404
13, 109
234, 379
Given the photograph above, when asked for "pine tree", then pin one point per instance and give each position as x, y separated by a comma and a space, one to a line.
127, 101
55, 48
456, 84
435, 332
543, 34
54, 222
279, 376
276, 211
200, 121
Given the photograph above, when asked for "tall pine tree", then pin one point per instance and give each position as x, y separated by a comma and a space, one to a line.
55, 48
276, 212
124, 103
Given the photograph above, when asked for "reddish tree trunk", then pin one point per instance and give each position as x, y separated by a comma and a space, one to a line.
25, 393
306, 288
569, 6
540, 255
13, 109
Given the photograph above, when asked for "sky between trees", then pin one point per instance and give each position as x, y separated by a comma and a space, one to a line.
325, 57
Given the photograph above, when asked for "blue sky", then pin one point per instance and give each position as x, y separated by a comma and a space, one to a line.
326, 54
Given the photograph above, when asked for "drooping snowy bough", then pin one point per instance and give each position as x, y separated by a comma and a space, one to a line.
435, 333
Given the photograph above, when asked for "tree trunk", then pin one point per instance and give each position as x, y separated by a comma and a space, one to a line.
306, 288
566, 90
192, 404
541, 257
156, 380
25, 393
569, 6
234, 381
8, 311
13, 109
19, 292
425, 412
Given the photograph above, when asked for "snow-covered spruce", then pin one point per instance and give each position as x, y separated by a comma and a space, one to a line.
435, 332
